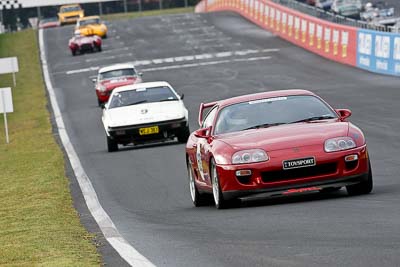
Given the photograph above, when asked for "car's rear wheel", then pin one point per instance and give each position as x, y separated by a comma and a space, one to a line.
183, 135
364, 187
112, 146
73, 52
197, 198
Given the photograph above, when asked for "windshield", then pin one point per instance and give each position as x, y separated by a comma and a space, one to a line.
49, 20
117, 73
142, 95
89, 21
70, 9
271, 112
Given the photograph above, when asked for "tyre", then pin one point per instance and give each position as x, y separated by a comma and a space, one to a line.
365, 187
183, 135
112, 146
99, 103
99, 48
105, 36
219, 200
73, 52
197, 198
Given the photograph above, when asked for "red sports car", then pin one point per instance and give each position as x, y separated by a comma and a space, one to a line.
275, 143
80, 44
49, 23
114, 76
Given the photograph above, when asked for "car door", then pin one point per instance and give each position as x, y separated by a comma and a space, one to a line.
203, 149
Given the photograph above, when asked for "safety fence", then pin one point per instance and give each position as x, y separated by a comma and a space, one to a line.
371, 50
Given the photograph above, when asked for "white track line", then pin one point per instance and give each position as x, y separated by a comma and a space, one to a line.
192, 65
178, 59
110, 232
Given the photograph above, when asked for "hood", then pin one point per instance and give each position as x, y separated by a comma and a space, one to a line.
71, 13
113, 83
286, 136
145, 113
83, 40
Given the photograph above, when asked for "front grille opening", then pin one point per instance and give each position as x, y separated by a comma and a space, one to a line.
306, 172
244, 179
351, 165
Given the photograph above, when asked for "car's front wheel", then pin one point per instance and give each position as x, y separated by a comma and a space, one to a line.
112, 146
365, 187
183, 135
197, 198
219, 200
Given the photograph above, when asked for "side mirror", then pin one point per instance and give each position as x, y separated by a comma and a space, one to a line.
182, 96
203, 133
343, 113
94, 80
140, 74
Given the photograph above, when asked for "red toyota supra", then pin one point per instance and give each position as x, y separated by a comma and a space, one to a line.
275, 143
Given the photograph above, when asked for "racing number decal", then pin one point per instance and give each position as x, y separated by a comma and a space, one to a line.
199, 161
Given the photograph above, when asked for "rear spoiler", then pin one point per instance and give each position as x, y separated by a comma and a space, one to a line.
202, 107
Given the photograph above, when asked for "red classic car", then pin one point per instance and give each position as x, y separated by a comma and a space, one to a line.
111, 77
275, 143
49, 23
81, 44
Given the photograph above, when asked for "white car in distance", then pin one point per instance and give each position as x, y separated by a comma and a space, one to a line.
144, 112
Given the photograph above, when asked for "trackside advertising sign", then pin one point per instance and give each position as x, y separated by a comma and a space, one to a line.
378, 52
333, 41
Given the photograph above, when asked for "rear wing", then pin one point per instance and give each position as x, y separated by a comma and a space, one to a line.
203, 106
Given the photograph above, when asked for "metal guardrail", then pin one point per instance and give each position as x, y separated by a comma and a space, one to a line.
329, 16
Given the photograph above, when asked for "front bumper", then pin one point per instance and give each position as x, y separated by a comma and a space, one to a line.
70, 19
331, 170
130, 134
103, 96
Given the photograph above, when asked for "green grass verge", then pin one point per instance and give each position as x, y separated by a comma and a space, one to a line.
38, 224
131, 15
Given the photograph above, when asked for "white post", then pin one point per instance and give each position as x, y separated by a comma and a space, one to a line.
5, 115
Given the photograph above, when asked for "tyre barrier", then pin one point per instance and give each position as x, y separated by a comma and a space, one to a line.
366, 49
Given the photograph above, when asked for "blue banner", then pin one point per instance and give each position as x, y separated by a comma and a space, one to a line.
378, 51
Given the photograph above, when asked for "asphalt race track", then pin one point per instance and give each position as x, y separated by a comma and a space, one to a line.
214, 56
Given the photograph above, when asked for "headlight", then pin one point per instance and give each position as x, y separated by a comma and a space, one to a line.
102, 88
339, 144
249, 156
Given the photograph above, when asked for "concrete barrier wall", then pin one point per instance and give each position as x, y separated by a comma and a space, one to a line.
370, 50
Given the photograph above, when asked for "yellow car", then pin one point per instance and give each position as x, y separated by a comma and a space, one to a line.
70, 14
91, 26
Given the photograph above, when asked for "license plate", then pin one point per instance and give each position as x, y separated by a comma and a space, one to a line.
298, 163
149, 130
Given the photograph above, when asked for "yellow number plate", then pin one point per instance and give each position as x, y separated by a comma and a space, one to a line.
149, 130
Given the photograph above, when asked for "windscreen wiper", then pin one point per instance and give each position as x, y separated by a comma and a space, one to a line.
168, 99
265, 125
135, 103
315, 118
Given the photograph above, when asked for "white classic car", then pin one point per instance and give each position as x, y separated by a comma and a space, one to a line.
144, 112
